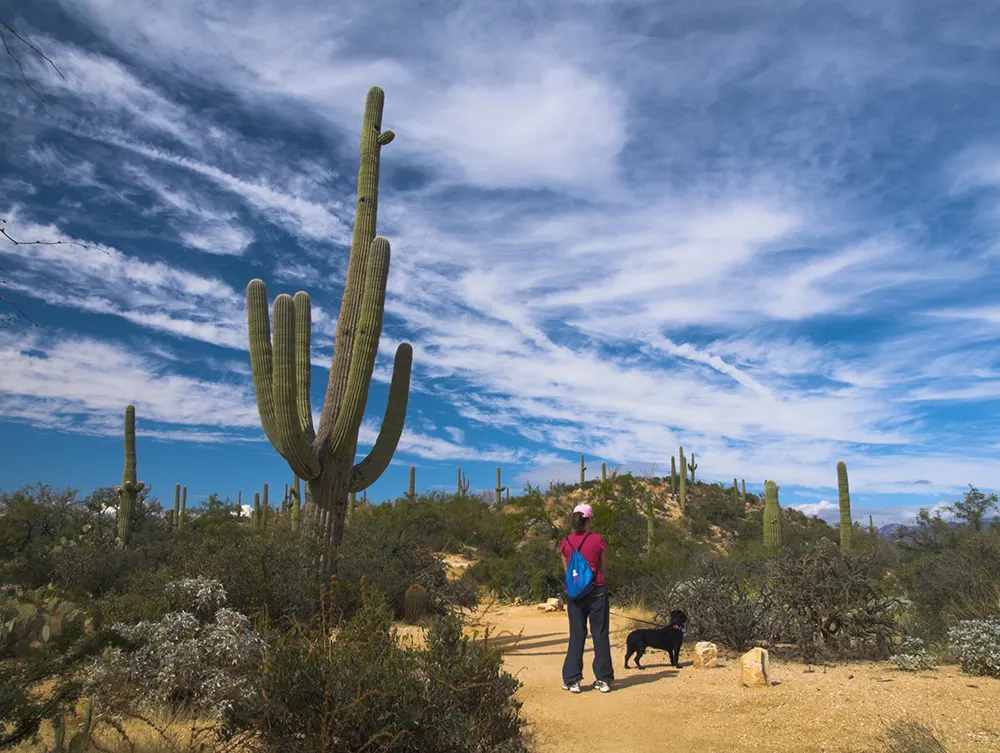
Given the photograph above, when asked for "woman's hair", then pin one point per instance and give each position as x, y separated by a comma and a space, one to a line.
579, 522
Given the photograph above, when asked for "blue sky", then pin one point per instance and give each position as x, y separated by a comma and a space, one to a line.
764, 230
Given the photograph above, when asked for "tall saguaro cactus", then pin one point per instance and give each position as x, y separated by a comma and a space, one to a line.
184, 504
682, 491
177, 507
772, 518
282, 370
500, 487
130, 487
673, 475
846, 526
583, 472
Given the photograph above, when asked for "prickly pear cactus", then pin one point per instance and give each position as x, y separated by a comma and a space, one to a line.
80, 741
415, 602
30, 619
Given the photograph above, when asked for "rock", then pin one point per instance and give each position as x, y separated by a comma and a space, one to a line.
517, 601
754, 669
705, 655
556, 604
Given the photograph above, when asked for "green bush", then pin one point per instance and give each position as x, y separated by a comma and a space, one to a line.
365, 691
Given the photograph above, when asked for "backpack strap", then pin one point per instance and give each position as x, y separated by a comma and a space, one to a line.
577, 548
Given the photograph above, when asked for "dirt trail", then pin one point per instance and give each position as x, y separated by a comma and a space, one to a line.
662, 708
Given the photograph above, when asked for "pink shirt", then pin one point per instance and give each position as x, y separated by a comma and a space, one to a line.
591, 550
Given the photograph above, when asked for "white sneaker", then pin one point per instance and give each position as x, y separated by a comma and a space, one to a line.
572, 687
602, 686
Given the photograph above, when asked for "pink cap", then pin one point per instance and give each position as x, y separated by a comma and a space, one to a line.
585, 510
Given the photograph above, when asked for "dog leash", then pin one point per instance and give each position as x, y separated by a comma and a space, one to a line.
636, 619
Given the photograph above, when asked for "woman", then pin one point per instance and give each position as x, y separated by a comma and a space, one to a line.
594, 606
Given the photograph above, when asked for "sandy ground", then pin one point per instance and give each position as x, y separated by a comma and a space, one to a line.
661, 708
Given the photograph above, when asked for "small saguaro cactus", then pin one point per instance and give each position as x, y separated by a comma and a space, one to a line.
282, 368
415, 602
846, 526
263, 507
463, 484
500, 487
772, 518
175, 521
871, 525
583, 472
80, 741
673, 475
130, 487
650, 522
412, 490
736, 492
682, 491
692, 466
744, 490
255, 518
296, 502
604, 471
184, 502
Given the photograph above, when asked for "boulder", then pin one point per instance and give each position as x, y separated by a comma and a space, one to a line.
705, 655
754, 669
556, 604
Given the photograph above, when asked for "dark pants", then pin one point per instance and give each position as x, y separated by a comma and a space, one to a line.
594, 606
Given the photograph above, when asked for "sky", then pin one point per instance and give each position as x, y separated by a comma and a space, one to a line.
765, 231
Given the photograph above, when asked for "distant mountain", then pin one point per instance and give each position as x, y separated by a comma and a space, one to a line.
893, 531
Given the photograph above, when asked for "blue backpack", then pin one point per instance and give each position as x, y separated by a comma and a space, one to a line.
579, 573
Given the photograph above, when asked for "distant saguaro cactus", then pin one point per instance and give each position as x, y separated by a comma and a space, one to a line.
682, 492
175, 521
411, 491
692, 466
583, 472
500, 487
255, 518
184, 503
263, 507
282, 368
604, 471
673, 475
736, 492
130, 488
463, 484
772, 518
846, 525
744, 490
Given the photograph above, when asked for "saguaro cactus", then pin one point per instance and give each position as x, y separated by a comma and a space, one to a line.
736, 492
255, 518
744, 490
263, 507
604, 471
177, 506
184, 503
772, 518
846, 526
500, 487
412, 490
583, 472
282, 369
673, 475
692, 466
130, 488
682, 492
296, 502
463, 484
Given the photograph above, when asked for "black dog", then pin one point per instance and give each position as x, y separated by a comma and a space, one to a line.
667, 638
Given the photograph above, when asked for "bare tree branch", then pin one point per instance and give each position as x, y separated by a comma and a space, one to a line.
17, 62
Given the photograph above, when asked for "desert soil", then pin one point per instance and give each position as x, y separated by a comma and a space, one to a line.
841, 709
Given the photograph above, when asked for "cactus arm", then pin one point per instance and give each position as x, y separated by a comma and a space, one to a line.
368, 470
259, 327
295, 446
345, 429
303, 362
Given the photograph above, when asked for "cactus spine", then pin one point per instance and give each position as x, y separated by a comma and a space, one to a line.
282, 369
772, 518
177, 507
463, 484
692, 466
412, 491
583, 472
500, 487
846, 526
682, 492
130, 487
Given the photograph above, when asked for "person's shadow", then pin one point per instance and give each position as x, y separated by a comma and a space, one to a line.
641, 679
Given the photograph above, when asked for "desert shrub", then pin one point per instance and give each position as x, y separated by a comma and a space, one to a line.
533, 573
203, 659
951, 572
835, 603
907, 736
727, 601
912, 655
976, 643
366, 691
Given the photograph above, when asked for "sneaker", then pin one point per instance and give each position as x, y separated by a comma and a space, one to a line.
573, 687
602, 686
